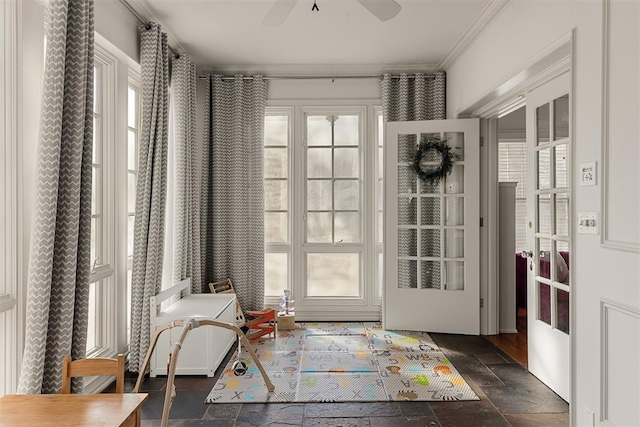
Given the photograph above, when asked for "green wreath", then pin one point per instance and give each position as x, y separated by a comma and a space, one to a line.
433, 173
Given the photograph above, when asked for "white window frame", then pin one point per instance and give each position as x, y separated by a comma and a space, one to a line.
367, 305
102, 271
119, 71
284, 247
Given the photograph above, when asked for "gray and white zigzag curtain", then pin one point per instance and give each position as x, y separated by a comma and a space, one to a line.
186, 191
59, 264
151, 190
232, 186
418, 97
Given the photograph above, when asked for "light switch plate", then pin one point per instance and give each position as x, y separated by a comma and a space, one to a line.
588, 174
588, 223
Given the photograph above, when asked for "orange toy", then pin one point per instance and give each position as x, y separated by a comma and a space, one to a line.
263, 324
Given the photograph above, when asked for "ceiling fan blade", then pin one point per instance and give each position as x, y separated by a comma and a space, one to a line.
382, 9
278, 13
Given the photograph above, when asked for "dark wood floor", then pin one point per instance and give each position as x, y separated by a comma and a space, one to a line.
515, 345
509, 396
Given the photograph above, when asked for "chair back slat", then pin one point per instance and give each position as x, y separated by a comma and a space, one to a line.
92, 367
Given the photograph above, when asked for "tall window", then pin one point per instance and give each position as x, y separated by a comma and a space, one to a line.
321, 209
101, 225
133, 123
115, 143
277, 218
379, 137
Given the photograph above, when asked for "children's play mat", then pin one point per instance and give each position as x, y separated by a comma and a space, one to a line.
344, 362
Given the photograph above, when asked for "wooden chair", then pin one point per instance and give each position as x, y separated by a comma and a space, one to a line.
92, 367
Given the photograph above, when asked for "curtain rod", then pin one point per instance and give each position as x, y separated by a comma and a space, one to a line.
364, 76
146, 24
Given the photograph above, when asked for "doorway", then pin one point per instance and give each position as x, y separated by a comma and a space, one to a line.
512, 232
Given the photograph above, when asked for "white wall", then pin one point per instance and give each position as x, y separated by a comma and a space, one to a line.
115, 23
599, 273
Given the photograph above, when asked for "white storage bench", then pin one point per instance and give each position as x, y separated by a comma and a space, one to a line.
204, 347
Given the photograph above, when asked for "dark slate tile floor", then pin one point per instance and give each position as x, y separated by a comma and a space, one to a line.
509, 396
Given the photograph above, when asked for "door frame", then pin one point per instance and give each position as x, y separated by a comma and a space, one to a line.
503, 98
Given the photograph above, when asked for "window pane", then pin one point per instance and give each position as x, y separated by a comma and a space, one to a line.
380, 130
561, 117
562, 179
275, 163
407, 180
430, 244
430, 211
276, 195
407, 213
454, 211
407, 242
430, 275
131, 153
345, 130
544, 168
319, 163
454, 182
276, 130
346, 163
91, 321
131, 193
319, 227
275, 274
544, 213
562, 310
544, 302
96, 89
275, 227
319, 197
542, 123
454, 243
94, 238
333, 275
456, 140
95, 194
130, 224
407, 274
380, 162
131, 108
347, 227
347, 195
96, 141
562, 214
380, 274
380, 194
454, 280
318, 130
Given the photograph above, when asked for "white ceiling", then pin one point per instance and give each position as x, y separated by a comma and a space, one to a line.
227, 33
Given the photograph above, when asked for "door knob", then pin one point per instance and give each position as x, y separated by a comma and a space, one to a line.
526, 254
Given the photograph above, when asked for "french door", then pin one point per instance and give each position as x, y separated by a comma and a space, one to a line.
431, 234
548, 230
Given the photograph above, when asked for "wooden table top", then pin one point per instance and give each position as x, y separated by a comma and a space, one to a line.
68, 409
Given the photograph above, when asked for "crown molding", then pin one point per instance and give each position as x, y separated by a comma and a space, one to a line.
310, 70
141, 8
488, 14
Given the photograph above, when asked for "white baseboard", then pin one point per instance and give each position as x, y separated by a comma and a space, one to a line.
508, 331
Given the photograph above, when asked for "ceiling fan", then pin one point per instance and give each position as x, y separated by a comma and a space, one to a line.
382, 9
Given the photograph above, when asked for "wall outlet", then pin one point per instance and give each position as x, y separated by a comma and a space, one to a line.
590, 418
588, 223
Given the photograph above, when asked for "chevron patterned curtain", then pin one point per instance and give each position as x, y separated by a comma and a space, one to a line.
186, 191
232, 186
151, 190
59, 264
418, 97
